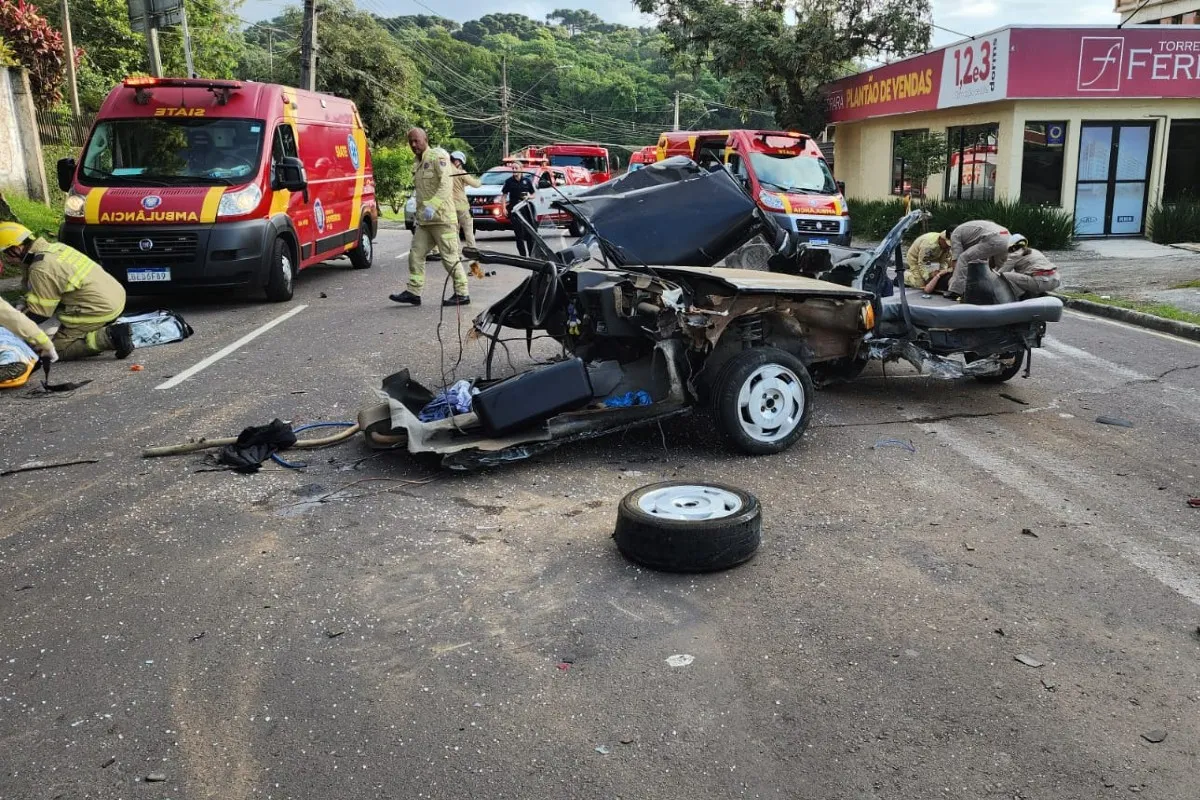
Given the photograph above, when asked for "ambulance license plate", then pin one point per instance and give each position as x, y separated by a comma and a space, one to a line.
147, 274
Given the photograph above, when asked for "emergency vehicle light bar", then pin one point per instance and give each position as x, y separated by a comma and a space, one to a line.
146, 82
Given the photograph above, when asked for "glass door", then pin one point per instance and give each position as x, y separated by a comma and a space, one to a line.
1114, 174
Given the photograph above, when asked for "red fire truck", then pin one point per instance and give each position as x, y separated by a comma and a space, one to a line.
592, 157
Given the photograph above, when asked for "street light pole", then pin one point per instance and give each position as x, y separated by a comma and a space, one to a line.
504, 100
74, 88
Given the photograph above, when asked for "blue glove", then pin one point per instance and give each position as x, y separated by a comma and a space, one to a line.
427, 214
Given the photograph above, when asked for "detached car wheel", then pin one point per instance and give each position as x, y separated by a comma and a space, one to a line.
281, 274
763, 400
688, 527
363, 256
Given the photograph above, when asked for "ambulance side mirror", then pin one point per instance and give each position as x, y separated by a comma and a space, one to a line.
290, 175
65, 173
842, 187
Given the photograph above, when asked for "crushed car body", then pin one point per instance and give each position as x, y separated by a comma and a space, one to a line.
675, 336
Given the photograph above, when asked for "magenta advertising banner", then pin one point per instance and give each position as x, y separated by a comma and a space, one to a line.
1028, 63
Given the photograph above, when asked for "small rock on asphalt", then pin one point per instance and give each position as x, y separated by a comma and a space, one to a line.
155, 777
603, 750
1154, 737
1028, 661
680, 660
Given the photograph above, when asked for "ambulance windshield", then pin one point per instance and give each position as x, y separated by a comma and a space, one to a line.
164, 151
803, 173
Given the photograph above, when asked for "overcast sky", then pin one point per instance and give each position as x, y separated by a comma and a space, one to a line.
966, 16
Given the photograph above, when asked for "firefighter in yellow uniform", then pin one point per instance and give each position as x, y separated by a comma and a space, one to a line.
61, 281
437, 222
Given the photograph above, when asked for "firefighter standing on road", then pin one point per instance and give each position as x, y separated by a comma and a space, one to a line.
61, 281
462, 206
978, 240
437, 222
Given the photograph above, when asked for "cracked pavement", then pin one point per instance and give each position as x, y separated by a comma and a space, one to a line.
375, 627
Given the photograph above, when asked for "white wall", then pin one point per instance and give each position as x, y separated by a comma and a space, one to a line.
13, 174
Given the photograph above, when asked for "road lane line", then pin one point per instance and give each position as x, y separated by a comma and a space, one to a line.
1078, 354
1135, 328
224, 351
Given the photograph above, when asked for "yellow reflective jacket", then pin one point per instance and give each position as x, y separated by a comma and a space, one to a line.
461, 182
63, 282
435, 188
22, 325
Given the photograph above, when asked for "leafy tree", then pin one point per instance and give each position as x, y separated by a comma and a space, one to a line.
769, 58
37, 46
924, 154
393, 167
574, 20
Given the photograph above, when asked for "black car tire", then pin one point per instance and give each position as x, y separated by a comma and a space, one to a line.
1002, 377
281, 273
363, 256
689, 545
774, 381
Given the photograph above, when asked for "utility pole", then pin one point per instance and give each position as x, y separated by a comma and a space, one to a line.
676, 127
308, 47
70, 45
152, 45
187, 40
271, 51
504, 100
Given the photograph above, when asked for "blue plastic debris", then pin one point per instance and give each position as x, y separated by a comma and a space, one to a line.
629, 399
455, 399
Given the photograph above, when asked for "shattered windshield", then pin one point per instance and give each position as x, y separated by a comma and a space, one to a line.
803, 174
168, 151
495, 178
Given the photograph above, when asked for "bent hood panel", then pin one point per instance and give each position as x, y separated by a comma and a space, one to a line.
671, 212
747, 281
152, 206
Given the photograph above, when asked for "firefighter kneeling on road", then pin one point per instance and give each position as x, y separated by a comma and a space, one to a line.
61, 281
437, 222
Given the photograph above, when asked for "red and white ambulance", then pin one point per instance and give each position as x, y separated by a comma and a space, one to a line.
784, 171
190, 183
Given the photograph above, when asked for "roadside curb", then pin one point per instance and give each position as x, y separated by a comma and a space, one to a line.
1185, 330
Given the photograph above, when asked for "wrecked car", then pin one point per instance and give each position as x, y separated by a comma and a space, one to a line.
641, 340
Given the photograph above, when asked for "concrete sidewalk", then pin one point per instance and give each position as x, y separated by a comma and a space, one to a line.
1131, 269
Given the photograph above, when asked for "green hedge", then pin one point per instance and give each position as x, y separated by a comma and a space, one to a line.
1046, 227
1175, 222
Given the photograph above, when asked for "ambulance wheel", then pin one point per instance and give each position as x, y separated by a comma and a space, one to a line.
363, 256
281, 274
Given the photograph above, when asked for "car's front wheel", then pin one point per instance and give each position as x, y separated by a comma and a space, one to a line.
763, 400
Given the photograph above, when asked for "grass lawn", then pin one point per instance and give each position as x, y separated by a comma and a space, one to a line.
38, 217
1188, 285
386, 212
1164, 310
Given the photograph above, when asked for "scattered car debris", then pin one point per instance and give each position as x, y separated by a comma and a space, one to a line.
155, 777
32, 466
1028, 532
111, 760
1117, 421
333, 634
1013, 399
1049, 687
603, 749
970, 547
1194, 502
198, 636
680, 660
1028, 661
903, 444
1155, 736
677, 526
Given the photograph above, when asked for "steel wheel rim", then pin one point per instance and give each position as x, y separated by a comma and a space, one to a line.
690, 503
771, 403
285, 264
365, 244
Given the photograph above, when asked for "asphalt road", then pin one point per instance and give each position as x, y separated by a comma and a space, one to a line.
339, 633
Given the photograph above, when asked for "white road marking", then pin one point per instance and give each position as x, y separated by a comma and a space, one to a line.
1136, 328
224, 351
402, 255
1063, 349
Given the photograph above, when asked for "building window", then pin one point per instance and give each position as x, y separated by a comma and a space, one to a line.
1182, 180
901, 183
971, 162
1042, 163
